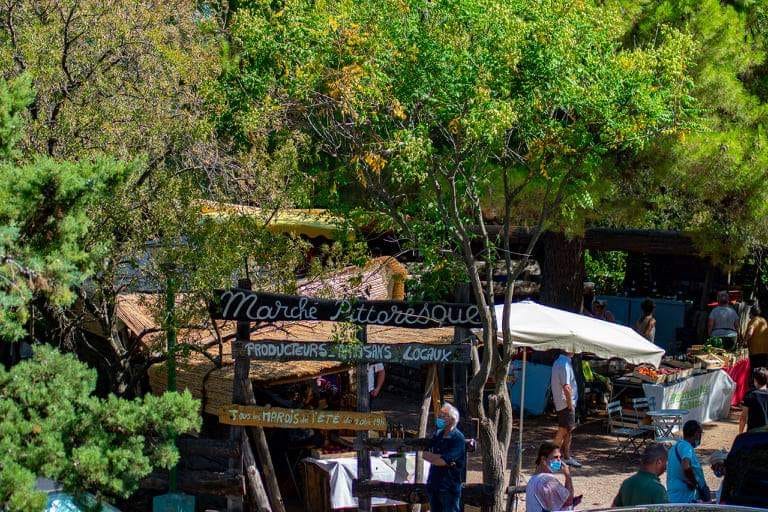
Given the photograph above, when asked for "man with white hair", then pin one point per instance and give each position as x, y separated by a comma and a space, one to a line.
447, 459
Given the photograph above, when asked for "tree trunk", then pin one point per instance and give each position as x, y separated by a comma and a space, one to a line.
562, 271
426, 401
493, 456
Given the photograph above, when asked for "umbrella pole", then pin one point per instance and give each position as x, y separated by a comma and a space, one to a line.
522, 415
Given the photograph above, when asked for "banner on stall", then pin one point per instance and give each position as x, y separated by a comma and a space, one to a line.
706, 397
278, 417
408, 353
250, 306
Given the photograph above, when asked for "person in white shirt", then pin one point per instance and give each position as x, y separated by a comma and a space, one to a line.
564, 395
544, 492
376, 376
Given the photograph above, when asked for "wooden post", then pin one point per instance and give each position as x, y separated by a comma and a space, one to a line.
253, 479
239, 382
426, 400
363, 405
437, 400
460, 371
242, 393
276, 497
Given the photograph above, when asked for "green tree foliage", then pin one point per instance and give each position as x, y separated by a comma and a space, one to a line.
44, 206
51, 425
606, 269
432, 112
120, 77
131, 81
710, 181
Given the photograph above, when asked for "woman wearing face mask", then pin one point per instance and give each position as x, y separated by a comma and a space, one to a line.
544, 492
685, 478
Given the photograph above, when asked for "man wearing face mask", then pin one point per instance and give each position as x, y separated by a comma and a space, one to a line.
447, 458
644, 487
685, 478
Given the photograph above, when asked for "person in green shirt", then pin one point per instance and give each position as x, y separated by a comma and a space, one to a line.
644, 487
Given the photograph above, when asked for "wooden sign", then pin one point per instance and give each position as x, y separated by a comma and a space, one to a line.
245, 305
409, 353
277, 417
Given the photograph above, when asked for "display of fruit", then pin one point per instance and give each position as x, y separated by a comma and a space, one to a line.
648, 372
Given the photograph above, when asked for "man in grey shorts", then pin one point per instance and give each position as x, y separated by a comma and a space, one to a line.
564, 395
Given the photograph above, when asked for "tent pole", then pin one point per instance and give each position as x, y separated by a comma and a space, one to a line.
522, 415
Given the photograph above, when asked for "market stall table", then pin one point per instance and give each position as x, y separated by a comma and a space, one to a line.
706, 396
328, 482
665, 422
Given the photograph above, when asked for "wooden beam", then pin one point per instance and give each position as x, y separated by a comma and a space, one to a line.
363, 406
239, 383
408, 444
225, 483
245, 305
253, 479
242, 393
460, 372
218, 448
269, 469
410, 353
471, 494
278, 417
426, 400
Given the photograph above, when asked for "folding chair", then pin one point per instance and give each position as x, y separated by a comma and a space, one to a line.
641, 406
627, 436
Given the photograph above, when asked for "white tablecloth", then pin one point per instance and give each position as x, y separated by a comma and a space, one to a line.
343, 471
707, 397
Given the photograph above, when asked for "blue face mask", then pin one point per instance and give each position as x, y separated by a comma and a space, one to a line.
555, 465
440, 423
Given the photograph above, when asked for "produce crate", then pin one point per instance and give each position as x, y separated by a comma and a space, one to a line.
674, 363
660, 379
709, 361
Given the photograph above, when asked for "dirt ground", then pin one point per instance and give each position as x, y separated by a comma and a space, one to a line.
603, 471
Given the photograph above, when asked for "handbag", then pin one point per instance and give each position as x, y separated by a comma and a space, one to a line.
701, 489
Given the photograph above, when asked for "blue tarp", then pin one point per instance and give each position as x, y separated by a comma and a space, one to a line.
537, 391
670, 314
63, 502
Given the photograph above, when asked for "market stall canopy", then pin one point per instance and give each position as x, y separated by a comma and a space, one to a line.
544, 328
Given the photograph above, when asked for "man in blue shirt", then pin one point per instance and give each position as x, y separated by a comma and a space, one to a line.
685, 478
447, 458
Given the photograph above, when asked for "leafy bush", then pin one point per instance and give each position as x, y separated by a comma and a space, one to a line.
51, 425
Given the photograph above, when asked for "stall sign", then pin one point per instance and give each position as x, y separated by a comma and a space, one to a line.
407, 353
249, 306
278, 417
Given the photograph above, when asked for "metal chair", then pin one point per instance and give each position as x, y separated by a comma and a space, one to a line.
628, 434
663, 428
641, 406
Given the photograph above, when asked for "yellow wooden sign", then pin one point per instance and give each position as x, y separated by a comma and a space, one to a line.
278, 417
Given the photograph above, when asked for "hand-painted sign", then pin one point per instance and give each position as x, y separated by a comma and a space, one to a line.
409, 353
245, 305
277, 417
